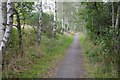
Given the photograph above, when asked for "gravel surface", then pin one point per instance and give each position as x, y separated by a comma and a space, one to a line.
72, 64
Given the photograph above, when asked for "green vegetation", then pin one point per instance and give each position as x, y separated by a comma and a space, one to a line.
35, 24
1, 75
102, 29
47, 22
95, 60
35, 61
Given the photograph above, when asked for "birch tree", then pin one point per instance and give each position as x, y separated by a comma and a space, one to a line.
19, 29
1, 29
62, 18
22, 12
118, 16
3, 17
39, 7
55, 19
6, 36
113, 14
8, 26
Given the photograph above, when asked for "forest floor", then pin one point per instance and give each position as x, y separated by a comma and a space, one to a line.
72, 64
36, 61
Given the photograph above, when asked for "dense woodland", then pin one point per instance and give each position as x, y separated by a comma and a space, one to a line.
35, 35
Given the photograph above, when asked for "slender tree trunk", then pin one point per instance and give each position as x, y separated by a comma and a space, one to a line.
62, 19
3, 17
62, 25
55, 19
2, 28
113, 23
19, 29
67, 26
8, 27
40, 23
118, 16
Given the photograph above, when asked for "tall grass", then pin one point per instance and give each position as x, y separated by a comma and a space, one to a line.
96, 61
1, 74
35, 61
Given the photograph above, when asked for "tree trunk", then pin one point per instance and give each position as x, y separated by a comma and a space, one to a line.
55, 19
40, 23
2, 28
8, 27
113, 14
3, 17
62, 26
118, 16
62, 20
19, 29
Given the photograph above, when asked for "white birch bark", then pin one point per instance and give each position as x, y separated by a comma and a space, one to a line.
3, 17
1, 33
62, 19
40, 22
113, 14
8, 26
55, 19
3, 22
62, 26
118, 16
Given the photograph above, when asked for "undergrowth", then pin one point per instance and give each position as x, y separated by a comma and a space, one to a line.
97, 62
35, 61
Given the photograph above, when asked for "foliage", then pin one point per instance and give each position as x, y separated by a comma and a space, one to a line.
36, 61
47, 22
95, 60
93, 18
24, 9
98, 20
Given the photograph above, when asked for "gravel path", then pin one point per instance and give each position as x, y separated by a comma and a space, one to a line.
71, 66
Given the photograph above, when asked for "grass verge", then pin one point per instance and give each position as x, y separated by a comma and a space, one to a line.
95, 60
35, 61
1, 75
